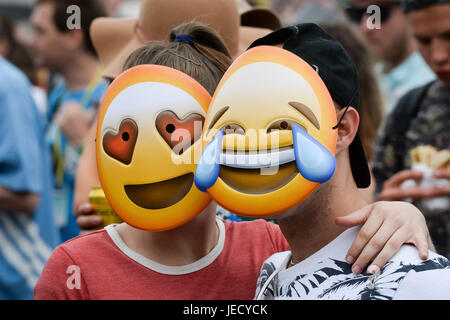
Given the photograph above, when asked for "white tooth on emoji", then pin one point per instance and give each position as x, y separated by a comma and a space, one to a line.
257, 160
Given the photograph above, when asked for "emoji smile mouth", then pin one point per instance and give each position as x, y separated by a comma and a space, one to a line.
242, 170
162, 194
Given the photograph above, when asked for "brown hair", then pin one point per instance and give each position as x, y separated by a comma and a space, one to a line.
371, 102
205, 60
89, 10
17, 54
6, 28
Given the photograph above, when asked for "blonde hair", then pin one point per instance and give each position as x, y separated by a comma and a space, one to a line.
205, 60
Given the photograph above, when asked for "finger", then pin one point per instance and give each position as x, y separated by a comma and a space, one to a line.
375, 246
395, 194
423, 248
364, 235
72, 106
420, 241
398, 179
440, 191
355, 218
90, 222
84, 209
388, 251
442, 173
58, 119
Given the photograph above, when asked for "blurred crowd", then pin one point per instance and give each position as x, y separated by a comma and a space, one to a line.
52, 80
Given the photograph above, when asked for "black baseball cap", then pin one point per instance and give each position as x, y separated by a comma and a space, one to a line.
337, 70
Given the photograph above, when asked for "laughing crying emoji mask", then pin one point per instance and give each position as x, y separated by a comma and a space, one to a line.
149, 124
269, 134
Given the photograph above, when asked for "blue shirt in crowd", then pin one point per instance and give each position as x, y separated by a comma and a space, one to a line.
413, 72
26, 240
65, 155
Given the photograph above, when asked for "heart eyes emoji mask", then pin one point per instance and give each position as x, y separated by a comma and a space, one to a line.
149, 126
269, 134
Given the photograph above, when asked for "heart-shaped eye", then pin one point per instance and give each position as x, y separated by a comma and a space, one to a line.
178, 133
120, 146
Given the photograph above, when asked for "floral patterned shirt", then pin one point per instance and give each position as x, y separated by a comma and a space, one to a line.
326, 275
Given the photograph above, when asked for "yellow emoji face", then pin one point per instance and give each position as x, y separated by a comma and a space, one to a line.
149, 124
269, 134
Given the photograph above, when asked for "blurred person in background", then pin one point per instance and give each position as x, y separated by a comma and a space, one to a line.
401, 68
72, 102
256, 21
371, 101
421, 118
112, 6
28, 233
257, 16
19, 55
303, 11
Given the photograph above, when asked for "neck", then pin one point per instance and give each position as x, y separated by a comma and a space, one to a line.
80, 71
310, 226
181, 246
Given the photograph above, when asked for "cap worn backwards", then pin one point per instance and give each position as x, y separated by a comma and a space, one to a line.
325, 54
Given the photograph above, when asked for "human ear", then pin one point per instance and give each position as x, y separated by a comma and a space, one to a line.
347, 129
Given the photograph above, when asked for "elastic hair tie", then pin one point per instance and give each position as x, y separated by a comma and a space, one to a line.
186, 38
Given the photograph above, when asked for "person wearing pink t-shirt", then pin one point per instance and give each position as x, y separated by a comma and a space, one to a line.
109, 269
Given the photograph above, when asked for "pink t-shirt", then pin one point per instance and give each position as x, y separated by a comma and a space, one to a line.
100, 266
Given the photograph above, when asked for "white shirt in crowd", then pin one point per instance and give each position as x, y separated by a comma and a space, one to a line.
326, 275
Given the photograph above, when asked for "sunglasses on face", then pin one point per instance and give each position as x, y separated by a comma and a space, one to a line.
355, 14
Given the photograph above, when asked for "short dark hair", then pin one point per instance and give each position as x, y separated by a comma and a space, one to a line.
6, 28
412, 5
89, 10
